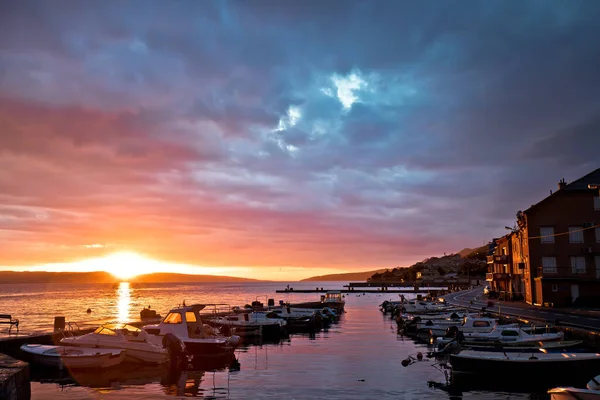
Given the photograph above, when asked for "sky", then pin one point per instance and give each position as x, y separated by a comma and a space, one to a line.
286, 138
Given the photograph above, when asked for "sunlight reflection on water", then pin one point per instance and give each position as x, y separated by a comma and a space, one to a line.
124, 301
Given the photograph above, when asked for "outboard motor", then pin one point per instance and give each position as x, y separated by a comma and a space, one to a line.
176, 348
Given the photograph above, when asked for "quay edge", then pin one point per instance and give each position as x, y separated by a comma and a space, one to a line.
14, 379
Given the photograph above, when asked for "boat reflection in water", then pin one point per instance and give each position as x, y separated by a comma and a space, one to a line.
186, 381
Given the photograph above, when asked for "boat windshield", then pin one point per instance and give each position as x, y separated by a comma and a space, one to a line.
173, 318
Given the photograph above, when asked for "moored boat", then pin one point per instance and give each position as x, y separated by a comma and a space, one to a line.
332, 299
591, 391
558, 368
185, 324
133, 340
73, 357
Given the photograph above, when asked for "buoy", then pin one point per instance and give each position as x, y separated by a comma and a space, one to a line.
420, 356
406, 362
89, 310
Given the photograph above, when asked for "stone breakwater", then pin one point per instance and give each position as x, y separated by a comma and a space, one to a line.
14, 379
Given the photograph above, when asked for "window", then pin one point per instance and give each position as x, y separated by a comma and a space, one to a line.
481, 324
578, 264
190, 316
596, 203
173, 318
597, 262
555, 288
575, 234
598, 234
546, 233
549, 265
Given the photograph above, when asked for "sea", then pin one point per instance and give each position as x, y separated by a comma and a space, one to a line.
360, 357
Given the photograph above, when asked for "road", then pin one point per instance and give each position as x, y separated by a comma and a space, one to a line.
524, 310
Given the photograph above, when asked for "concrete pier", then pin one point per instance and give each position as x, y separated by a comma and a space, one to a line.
14, 379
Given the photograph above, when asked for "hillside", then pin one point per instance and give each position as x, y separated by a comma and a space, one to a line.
349, 276
466, 262
105, 277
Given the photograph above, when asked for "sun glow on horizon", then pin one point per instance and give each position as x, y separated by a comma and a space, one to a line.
126, 265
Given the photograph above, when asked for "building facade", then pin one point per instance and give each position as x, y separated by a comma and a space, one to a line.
555, 248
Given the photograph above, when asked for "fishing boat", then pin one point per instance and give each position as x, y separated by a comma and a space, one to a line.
332, 299
134, 341
551, 367
185, 324
73, 357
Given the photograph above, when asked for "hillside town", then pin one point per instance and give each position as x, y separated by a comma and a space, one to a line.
550, 257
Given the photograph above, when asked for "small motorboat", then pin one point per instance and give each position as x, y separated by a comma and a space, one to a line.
149, 313
267, 325
185, 324
73, 357
591, 392
133, 340
501, 334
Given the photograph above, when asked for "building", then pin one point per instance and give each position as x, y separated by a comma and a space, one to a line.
556, 246
504, 274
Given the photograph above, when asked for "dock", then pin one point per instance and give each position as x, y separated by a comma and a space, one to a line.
380, 290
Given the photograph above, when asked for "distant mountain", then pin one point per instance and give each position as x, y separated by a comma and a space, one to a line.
168, 277
465, 252
349, 276
56, 277
105, 277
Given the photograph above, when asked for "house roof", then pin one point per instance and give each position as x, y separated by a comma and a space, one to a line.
580, 184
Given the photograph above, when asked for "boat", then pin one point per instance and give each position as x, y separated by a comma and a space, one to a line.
149, 313
332, 299
184, 324
502, 334
591, 392
134, 341
262, 324
467, 326
73, 357
558, 368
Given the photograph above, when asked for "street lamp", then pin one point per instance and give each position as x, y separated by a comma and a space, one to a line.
594, 186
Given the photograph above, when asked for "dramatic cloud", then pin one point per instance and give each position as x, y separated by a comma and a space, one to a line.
336, 134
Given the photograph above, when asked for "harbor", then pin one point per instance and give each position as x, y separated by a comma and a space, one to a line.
333, 340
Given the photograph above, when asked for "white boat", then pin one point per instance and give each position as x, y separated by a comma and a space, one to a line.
469, 325
252, 324
133, 340
73, 357
591, 392
503, 334
185, 324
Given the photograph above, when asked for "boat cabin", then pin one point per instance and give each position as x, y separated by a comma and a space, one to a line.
334, 296
183, 322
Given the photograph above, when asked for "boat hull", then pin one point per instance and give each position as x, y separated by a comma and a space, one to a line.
558, 370
108, 358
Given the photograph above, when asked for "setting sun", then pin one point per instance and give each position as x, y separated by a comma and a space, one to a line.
126, 265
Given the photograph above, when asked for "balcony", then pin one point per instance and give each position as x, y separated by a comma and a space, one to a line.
490, 259
503, 259
497, 276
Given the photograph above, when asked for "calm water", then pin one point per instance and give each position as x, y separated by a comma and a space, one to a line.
358, 358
